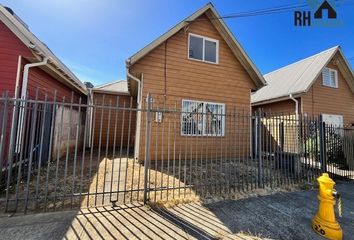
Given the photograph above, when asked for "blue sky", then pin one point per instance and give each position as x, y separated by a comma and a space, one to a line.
94, 37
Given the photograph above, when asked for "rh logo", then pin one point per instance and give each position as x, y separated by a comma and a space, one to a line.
323, 14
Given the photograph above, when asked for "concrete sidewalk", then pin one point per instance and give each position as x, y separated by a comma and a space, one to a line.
278, 216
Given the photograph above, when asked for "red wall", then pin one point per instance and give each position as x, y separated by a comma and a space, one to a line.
10, 48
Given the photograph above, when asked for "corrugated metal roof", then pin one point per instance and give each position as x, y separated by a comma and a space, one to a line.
293, 79
119, 86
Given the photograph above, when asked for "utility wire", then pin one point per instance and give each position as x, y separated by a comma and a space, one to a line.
271, 10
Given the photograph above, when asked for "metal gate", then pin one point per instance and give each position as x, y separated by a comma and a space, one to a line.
113, 152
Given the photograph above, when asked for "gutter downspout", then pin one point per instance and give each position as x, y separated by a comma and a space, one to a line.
296, 106
297, 144
90, 113
135, 79
138, 115
25, 74
23, 97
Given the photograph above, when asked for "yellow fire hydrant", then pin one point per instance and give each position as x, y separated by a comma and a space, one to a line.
325, 223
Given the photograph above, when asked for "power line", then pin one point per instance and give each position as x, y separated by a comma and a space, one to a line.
270, 11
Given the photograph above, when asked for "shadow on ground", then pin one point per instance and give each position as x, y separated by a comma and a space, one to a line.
278, 216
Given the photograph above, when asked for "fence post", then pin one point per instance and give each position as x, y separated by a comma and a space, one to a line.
3, 138
259, 147
147, 147
323, 145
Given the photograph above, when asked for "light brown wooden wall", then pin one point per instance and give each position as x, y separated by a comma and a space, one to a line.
118, 126
321, 99
278, 108
168, 71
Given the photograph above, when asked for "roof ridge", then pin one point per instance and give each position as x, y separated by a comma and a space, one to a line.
302, 60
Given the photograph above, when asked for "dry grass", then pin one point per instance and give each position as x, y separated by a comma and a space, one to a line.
106, 181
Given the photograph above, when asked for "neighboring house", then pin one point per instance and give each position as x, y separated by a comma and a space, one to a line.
115, 126
28, 65
196, 64
322, 84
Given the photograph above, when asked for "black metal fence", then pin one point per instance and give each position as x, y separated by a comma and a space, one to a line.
58, 155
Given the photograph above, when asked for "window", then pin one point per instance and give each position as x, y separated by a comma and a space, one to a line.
202, 118
203, 48
333, 120
330, 77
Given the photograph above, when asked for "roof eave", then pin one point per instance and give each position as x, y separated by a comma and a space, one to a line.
142, 52
278, 99
110, 92
255, 74
238, 51
38, 48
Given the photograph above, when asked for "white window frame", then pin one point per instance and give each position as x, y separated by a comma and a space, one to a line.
326, 117
204, 120
208, 39
330, 70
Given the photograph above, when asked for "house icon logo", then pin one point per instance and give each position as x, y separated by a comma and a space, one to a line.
323, 13
325, 6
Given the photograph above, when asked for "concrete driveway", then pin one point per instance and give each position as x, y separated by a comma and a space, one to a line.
278, 216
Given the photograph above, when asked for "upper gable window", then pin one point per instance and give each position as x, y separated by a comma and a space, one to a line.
203, 48
330, 77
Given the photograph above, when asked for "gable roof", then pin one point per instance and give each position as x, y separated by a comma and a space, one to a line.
224, 31
119, 86
21, 30
298, 77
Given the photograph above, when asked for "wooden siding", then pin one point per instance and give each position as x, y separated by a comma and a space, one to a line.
10, 49
119, 120
321, 99
46, 84
281, 108
170, 77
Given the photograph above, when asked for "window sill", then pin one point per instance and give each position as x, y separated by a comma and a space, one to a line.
335, 87
203, 61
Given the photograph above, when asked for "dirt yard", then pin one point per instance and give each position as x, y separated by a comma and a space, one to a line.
106, 181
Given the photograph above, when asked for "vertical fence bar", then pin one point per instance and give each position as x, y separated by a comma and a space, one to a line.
94, 110
3, 133
99, 148
20, 146
12, 141
128, 146
322, 145
34, 120
120, 156
86, 128
174, 151
156, 154
168, 151
41, 149
59, 138
147, 147
78, 127
3, 139
114, 146
108, 127
50, 150
259, 150
67, 149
